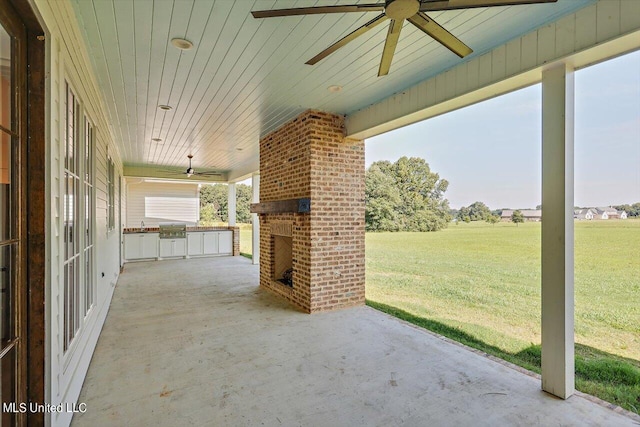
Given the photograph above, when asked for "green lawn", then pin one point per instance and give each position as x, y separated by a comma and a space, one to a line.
245, 239
480, 284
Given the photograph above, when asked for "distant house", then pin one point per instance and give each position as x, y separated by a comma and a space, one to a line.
528, 214
599, 213
586, 213
607, 213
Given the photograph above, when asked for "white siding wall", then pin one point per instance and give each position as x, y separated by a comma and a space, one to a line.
155, 202
67, 60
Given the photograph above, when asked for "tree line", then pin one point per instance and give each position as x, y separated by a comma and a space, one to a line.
477, 211
401, 196
214, 201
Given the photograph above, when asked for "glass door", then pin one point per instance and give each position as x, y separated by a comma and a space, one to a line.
12, 287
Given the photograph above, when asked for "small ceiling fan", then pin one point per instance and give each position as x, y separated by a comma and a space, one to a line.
397, 11
191, 171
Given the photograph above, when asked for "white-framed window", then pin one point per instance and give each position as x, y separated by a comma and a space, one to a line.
89, 198
78, 217
70, 218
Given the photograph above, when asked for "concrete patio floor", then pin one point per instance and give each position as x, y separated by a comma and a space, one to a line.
196, 342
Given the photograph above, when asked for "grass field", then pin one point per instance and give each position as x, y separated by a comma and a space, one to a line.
245, 239
480, 284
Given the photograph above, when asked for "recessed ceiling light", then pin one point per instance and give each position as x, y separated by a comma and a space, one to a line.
182, 44
156, 139
334, 88
165, 107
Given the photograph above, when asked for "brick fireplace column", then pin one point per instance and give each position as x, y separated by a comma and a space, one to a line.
321, 252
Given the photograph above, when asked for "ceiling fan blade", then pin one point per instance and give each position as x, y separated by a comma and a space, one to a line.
170, 171
208, 173
442, 36
431, 6
375, 7
346, 39
390, 46
173, 173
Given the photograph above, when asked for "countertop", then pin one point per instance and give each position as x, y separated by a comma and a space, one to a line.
148, 230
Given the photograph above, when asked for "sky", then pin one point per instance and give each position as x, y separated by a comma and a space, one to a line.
491, 151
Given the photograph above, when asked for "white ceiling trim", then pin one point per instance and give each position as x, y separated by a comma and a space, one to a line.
594, 34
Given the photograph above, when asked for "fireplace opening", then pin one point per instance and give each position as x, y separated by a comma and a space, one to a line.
283, 260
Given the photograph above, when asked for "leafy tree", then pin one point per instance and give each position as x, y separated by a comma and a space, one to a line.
517, 217
213, 194
244, 196
463, 214
214, 203
209, 215
493, 219
382, 197
478, 211
405, 196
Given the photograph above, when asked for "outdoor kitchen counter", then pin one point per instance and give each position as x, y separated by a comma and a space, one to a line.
133, 230
199, 241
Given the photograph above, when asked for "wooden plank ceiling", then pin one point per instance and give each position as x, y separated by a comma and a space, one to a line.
245, 77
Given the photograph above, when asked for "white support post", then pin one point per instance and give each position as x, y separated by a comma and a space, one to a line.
558, 376
231, 204
198, 188
255, 221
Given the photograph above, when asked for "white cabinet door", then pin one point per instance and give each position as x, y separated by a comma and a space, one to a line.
179, 247
140, 246
210, 243
225, 242
172, 248
194, 243
166, 247
149, 246
133, 246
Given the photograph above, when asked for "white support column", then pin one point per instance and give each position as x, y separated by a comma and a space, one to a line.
231, 204
558, 376
255, 221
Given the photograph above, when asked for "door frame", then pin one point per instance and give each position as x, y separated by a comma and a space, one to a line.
32, 205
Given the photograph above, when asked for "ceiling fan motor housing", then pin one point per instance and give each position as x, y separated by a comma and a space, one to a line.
401, 9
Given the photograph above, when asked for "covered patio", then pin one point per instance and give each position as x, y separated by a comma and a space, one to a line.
195, 342
120, 107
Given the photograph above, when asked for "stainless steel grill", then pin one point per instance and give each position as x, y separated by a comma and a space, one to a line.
173, 230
